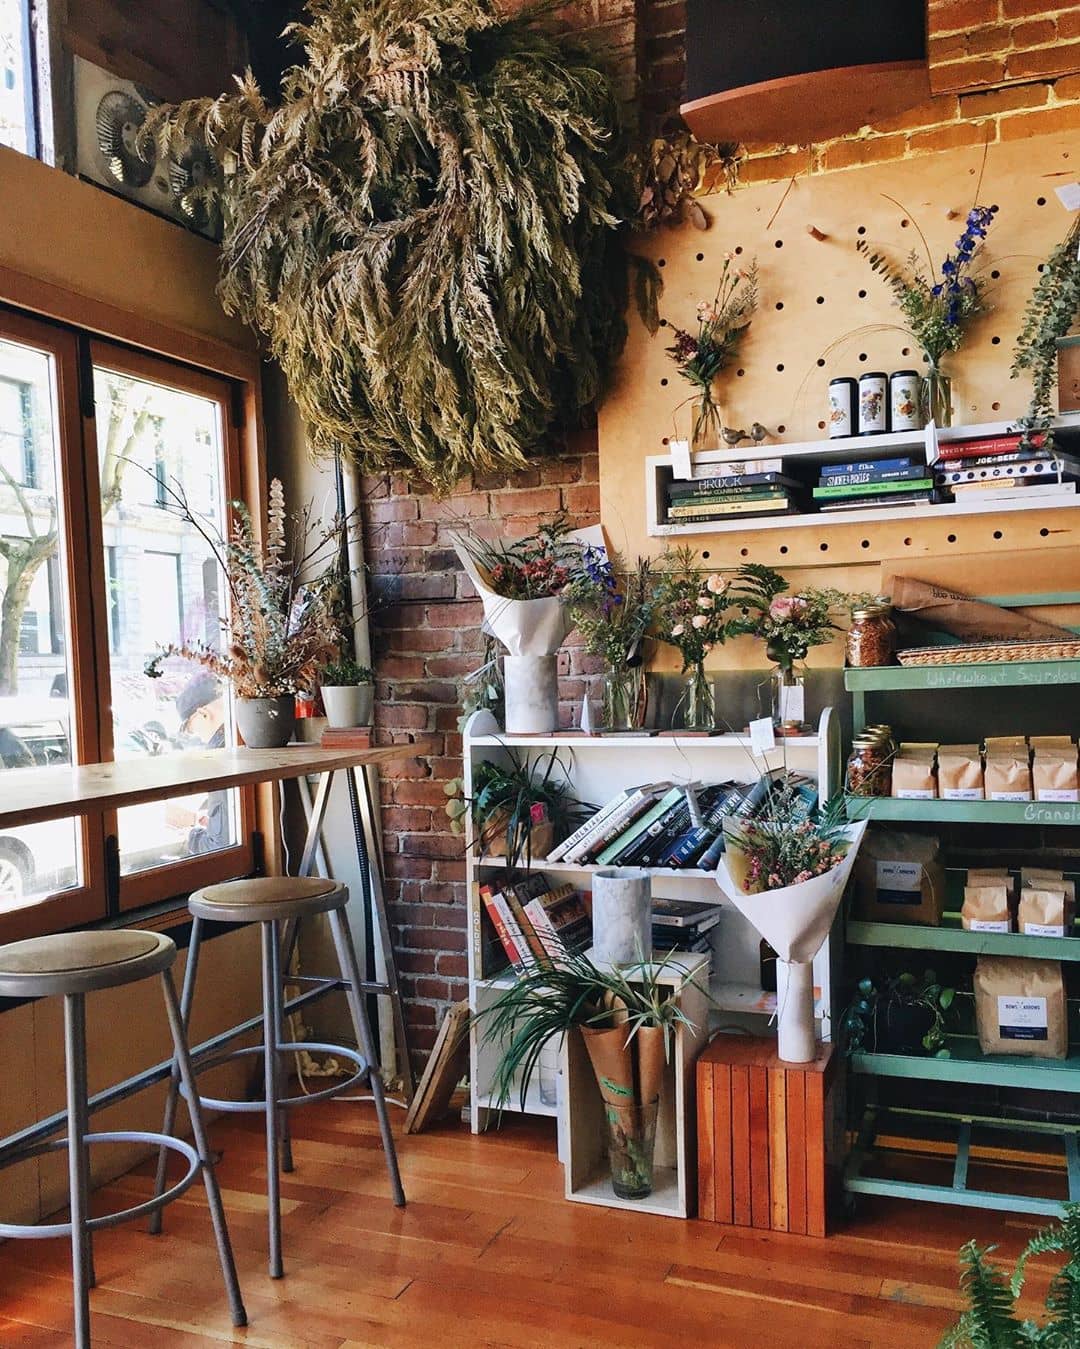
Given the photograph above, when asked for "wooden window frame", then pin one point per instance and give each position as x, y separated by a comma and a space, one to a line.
145, 349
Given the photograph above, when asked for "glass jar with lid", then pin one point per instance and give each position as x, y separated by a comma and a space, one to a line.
869, 768
871, 639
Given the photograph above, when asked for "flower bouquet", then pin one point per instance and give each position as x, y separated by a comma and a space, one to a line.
613, 612
938, 304
786, 872
521, 585
721, 324
690, 615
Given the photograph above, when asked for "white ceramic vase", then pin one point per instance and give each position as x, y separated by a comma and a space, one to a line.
348, 705
622, 916
531, 689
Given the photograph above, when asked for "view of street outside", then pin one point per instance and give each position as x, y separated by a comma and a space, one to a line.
15, 103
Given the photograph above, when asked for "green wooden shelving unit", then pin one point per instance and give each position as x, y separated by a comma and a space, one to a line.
965, 1063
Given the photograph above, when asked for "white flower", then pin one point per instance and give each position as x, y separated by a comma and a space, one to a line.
678, 629
716, 584
700, 620
705, 602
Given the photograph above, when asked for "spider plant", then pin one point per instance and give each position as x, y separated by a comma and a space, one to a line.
511, 797
548, 1000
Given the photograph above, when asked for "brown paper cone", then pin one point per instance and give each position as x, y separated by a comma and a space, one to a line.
612, 1062
649, 1052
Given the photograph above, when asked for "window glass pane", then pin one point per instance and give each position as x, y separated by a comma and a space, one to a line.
35, 712
164, 589
15, 89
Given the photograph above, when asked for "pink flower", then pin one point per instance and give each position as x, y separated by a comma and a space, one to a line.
677, 630
782, 607
716, 584
705, 602
699, 621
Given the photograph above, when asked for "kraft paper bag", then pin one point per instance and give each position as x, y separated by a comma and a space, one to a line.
950, 611
960, 773
986, 908
899, 878
1020, 1007
1046, 911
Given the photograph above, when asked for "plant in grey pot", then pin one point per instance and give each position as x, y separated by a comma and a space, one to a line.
284, 594
348, 693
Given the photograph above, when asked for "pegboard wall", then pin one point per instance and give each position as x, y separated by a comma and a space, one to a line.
822, 313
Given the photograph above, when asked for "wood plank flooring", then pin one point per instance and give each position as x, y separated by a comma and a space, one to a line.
488, 1254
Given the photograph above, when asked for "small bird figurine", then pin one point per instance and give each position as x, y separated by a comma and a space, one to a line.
757, 434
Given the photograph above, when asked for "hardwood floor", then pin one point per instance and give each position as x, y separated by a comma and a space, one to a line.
487, 1253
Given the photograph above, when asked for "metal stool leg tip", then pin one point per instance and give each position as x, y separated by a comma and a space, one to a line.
240, 1318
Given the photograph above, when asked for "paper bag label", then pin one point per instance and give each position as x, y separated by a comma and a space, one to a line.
1022, 1018
1059, 794
914, 794
1010, 796
988, 925
1044, 930
962, 794
899, 882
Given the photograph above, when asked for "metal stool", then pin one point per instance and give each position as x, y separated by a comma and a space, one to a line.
72, 965
277, 903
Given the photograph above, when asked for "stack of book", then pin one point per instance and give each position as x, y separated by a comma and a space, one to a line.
535, 922
682, 925
873, 482
751, 488
998, 467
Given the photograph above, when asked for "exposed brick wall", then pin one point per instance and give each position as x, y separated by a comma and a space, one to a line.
973, 43
426, 635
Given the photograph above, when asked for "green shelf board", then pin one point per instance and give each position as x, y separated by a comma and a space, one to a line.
968, 1064
984, 675
951, 937
1038, 813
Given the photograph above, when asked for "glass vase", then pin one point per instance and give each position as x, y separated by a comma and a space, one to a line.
698, 700
788, 700
631, 1143
707, 423
619, 696
935, 396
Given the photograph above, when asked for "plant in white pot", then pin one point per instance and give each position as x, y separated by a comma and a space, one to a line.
282, 627
348, 693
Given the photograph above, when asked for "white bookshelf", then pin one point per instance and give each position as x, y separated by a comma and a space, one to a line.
599, 767
658, 472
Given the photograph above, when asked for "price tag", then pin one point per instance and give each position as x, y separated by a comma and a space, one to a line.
762, 735
681, 466
1069, 196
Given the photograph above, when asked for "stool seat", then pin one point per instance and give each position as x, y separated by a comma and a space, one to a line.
266, 899
81, 962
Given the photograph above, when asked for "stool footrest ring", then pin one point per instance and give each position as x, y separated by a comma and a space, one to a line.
283, 1102
42, 1231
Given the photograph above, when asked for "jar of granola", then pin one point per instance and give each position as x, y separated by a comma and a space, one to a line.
871, 639
869, 769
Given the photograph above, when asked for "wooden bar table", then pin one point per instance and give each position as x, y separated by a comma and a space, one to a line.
34, 795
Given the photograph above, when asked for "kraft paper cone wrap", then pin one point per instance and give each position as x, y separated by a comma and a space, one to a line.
612, 1062
648, 1045
962, 616
796, 919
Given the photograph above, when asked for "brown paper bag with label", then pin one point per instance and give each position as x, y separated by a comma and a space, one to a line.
1046, 911
986, 908
1020, 1007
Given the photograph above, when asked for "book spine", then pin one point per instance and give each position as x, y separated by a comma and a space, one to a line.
595, 828
872, 489
710, 858
544, 929
514, 932
946, 461
634, 805
760, 508
966, 449
858, 479
866, 466
638, 826
583, 830
731, 483
532, 941
686, 847
737, 468
1044, 471
647, 851
499, 922
712, 502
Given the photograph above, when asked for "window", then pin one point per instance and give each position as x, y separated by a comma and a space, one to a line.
75, 634
16, 78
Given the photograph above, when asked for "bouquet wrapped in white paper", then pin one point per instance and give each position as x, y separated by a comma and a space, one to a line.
794, 918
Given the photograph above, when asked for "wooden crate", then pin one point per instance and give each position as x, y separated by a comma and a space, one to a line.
765, 1135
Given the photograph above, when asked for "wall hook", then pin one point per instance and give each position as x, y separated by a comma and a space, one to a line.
815, 233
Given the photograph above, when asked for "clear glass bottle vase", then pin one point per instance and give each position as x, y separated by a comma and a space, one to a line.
698, 700
788, 699
707, 423
619, 697
935, 396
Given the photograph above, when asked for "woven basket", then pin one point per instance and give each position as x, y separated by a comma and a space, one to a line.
989, 653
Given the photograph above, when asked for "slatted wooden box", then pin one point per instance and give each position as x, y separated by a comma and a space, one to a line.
766, 1133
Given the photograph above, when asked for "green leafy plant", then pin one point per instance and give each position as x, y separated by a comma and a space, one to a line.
345, 673
424, 229
548, 1000
872, 1002
612, 609
537, 566
511, 797
786, 843
1051, 311
789, 625
990, 1321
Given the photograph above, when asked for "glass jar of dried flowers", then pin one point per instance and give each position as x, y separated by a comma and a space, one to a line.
690, 616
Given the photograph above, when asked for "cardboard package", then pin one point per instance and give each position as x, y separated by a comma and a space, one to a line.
899, 878
1020, 1007
986, 908
960, 773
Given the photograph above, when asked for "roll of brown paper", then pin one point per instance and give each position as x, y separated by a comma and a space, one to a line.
962, 616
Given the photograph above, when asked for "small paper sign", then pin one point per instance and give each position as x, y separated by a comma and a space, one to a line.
681, 467
1069, 196
692, 805
762, 735
930, 433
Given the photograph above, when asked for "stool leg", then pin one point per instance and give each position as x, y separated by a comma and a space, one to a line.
271, 972
186, 1075
289, 944
350, 972
78, 1162
171, 1100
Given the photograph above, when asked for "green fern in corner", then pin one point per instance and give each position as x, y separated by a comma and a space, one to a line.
990, 1321
1062, 1330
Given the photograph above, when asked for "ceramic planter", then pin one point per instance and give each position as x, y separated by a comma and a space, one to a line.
622, 916
532, 694
266, 723
348, 705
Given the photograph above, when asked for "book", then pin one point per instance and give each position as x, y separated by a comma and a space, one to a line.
593, 822
867, 466
988, 445
728, 494
864, 503
498, 914
682, 912
1046, 468
692, 843
489, 953
827, 492
646, 851
886, 475
760, 508
517, 896
730, 483
717, 508
635, 804
1011, 489
561, 921
637, 827
737, 468
946, 462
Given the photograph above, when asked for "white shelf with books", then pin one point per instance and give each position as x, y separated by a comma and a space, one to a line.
600, 770
773, 486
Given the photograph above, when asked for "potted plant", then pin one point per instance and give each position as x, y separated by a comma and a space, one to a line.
519, 810
690, 616
348, 692
904, 1015
626, 1018
282, 625
613, 611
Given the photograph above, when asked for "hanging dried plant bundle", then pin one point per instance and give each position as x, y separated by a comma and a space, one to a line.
424, 230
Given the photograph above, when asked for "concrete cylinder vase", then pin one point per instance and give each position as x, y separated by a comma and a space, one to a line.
622, 916
532, 694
